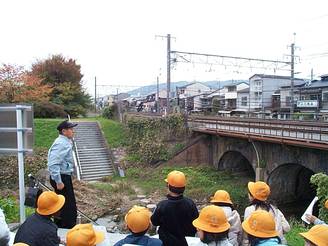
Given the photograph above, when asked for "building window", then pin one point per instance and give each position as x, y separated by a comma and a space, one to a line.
288, 101
231, 88
325, 96
244, 101
313, 97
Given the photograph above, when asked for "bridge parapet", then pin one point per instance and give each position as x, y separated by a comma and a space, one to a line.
298, 133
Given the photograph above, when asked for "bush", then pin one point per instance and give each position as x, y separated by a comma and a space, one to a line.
49, 110
320, 180
110, 112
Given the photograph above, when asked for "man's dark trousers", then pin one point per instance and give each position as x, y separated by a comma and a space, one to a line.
69, 211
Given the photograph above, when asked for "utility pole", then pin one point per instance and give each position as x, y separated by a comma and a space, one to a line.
168, 76
292, 73
311, 74
157, 98
118, 105
95, 94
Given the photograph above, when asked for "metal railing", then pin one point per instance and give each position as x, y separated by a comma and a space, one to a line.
315, 132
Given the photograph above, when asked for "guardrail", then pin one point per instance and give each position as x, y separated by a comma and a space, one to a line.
313, 134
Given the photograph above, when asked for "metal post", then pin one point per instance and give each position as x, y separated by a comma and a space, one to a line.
95, 94
168, 77
157, 98
292, 79
20, 154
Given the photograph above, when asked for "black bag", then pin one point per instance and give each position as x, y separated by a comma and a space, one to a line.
31, 197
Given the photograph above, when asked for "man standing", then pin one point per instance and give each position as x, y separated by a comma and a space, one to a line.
60, 166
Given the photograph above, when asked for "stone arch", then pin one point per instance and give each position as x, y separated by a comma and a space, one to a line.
235, 162
291, 188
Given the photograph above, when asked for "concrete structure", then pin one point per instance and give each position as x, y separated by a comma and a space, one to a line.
259, 153
243, 100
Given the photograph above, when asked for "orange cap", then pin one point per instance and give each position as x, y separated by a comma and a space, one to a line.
49, 203
138, 219
326, 204
221, 196
83, 235
259, 190
20, 244
212, 219
176, 179
318, 235
260, 224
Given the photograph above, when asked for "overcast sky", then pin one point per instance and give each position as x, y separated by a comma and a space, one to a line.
115, 40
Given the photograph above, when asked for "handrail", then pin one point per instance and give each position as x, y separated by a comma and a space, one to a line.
44, 186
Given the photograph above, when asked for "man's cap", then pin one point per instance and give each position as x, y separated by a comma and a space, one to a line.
221, 196
65, 125
138, 219
84, 235
212, 219
318, 235
49, 203
259, 190
20, 244
260, 224
176, 179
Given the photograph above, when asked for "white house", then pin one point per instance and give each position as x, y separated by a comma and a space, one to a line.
263, 86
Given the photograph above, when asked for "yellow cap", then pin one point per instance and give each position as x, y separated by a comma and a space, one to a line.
259, 190
138, 219
83, 235
176, 179
326, 204
318, 235
49, 203
212, 219
260, 224
221, 196
20, 244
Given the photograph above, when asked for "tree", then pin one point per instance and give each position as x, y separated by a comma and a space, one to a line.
64, 76
57, 70
17, 85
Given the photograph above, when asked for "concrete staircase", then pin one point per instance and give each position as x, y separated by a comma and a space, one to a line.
93, 153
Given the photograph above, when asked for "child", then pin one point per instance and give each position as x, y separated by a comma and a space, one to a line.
39, 229
84, 235
258, 194
316, 236
222, 199
315, 220
212, 226
261, 229
138, 222
175, 215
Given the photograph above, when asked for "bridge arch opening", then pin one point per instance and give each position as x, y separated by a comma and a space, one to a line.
237, 164
291, 189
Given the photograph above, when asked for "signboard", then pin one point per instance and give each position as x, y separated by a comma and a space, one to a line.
8, 128
16, 136
307, 104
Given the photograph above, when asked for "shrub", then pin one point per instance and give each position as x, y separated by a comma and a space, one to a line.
320, 180
110, 112
49, 110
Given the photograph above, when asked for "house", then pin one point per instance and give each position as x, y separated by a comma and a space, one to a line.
263, 86
310, 99
242, 101
189, 91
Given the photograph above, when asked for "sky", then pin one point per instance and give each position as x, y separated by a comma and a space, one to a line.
116, 40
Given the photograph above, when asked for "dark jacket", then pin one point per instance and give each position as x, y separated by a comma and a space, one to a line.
174, 217
139, 240
38, 230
